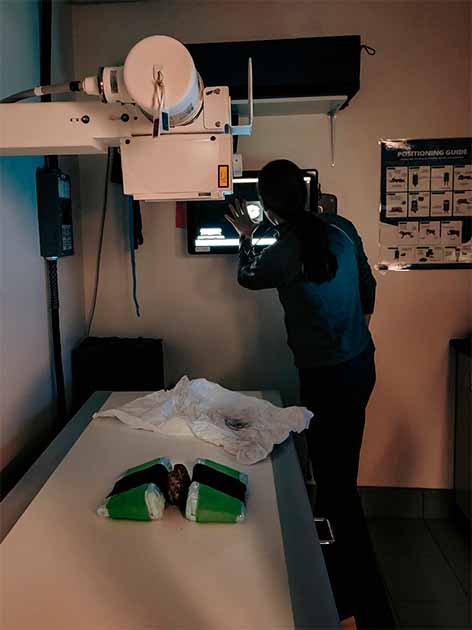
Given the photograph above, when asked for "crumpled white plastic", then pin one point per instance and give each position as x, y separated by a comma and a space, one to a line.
244, 426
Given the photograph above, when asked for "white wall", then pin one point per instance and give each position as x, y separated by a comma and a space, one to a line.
26, 376
416, 86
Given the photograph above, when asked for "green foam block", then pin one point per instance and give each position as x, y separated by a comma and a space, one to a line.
143, 503
207, 505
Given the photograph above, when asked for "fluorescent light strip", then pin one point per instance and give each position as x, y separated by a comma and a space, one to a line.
231, 242
254, 180
226, 242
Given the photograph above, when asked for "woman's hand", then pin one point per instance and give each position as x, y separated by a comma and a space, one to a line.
240, 219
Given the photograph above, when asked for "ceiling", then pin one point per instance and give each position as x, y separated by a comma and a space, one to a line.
98, 1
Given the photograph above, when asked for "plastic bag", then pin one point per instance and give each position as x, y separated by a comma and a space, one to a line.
244, 426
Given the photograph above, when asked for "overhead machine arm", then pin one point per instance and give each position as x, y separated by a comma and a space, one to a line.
174, 134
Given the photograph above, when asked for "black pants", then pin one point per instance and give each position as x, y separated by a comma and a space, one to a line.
338, 396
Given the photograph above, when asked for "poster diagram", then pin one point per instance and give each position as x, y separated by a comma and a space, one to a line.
465, 255
441, 204
463, 177
451, 232
429, 254
451, 254
397, 205
408, 233
397, 179
430, 232
419, 178
426, 204
419, 204
463, 203
441, 177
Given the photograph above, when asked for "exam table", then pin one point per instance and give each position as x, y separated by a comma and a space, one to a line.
64, 567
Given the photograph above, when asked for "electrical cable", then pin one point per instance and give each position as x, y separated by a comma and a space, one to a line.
369, 50
51, 162
132, 248
44, 90
45, 63
19, 96
100, 242
56, 338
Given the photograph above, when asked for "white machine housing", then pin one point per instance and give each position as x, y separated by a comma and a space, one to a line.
174, 79
175, 136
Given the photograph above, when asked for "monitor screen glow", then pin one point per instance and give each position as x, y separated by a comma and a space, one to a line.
210, 233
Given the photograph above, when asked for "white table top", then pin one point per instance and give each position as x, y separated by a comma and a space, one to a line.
65, 567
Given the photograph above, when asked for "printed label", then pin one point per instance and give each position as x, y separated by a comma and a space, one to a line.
418, 204
441, 177
223, 176
463, 203
451, 232
66, 238
397, 178
64, 188
408, 232
114, 81
407, 254
419, 178
429, 254
465, 254
397, 205
441, 204
463, 177
430, 232
451, 254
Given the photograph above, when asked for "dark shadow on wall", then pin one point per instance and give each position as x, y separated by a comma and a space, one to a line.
29, 453
402, 441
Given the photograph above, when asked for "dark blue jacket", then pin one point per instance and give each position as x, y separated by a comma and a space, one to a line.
325, 322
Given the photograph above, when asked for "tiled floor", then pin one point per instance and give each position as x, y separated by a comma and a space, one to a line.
425, 565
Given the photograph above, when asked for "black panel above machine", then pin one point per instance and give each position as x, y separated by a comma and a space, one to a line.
283, 68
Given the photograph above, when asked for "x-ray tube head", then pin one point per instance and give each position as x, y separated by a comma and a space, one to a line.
158, 75
161, 68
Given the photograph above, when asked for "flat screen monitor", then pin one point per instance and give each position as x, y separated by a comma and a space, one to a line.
209, 232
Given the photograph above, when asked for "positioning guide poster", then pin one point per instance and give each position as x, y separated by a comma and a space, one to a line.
426, 204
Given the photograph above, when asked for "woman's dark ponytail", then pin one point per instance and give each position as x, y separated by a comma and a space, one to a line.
283, 191
319, 263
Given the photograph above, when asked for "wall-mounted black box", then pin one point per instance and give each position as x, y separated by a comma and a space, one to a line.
283, 68
53, 194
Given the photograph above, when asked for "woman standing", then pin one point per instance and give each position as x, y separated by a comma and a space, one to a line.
327, 291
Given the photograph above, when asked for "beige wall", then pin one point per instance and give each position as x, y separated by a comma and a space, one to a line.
26, 376
416, 86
